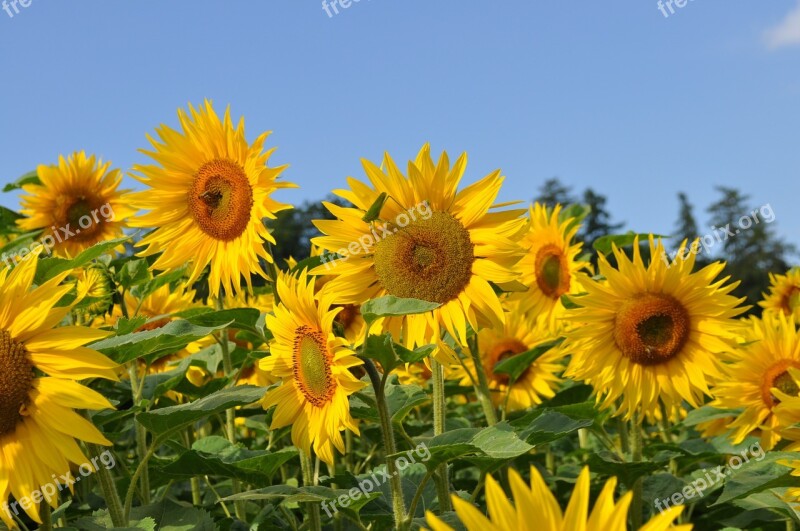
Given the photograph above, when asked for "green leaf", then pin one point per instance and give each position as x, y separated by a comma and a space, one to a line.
498, 443
391, 306
29, 178
308, 263
546, 425
604, 243
374, 211
609, 464
757, 476
142, 291
380, 349
134, 272
8, 220
172, 418
50, 267
516, 365
239, 318
216, 456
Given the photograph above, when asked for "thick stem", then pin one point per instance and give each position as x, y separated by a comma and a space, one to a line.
139, 430
636, 457
441, 479
109, 489
308, 480
46, 516
389, 444
482, 389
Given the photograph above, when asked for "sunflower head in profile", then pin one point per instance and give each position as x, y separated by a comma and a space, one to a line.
94, 284
427, 241
784, 294
651, 333
208, 195
523, 331
40, 367
76, 204
760, 366
534, 508
313, 366
550, 267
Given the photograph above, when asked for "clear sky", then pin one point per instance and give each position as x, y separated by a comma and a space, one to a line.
612, 95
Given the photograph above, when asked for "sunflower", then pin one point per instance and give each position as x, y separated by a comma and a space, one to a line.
650, 333
313, 366
522, 332
792, 493
436, 244
76, 203
534, 508
784, 294
550, 267
94, 283
787, 410
208, 196
39, 369
758, 366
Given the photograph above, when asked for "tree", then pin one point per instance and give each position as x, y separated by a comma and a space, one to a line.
553, 193
293, 229
598, 221
686, 228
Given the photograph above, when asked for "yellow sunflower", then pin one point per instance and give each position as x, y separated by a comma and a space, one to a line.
787, 396
792, 493
761, 364
522, 332
651, 333
94, 283
76, 205
313, 366
784, 294
550, 267
431, 242
209, 193
39, 391
534, 508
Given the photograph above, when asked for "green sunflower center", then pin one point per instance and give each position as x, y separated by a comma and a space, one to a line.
83, 217
552, 271
503, 350
778, 377
651, 329
221, 199
429, 259
16, 382
312, 366
791, 300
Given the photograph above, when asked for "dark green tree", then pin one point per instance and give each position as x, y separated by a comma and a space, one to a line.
294, 228
598, 221
553, 193
686, 228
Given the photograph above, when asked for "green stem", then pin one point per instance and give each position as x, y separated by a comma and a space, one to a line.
389, 444
139, 430
417, 497
636, 457
109, 488
46, 516
439, 409
482, 389
138, 474
308, 480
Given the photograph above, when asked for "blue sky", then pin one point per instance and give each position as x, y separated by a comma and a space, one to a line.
611, 95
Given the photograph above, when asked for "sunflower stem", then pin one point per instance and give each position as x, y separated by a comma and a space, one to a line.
135, 479
139, 430
109, 489
636, 457
389, 444
441, 479
308, 480
46, 516
482, 389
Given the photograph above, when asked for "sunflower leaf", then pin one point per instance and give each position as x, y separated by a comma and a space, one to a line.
29, 178
515, 366
605, 244
391, 306
50, 267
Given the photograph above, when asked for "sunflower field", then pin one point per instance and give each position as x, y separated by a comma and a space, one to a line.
440, 360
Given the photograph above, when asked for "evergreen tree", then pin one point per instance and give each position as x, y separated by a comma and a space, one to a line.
686, 228
553, 193
598, 221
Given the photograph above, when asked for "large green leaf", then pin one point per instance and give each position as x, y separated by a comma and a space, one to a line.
516, 365
756, 476
29, 178
50, 267
546, 425
495, 443
391, 306
604, 244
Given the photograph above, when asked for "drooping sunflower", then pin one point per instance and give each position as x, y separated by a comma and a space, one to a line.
209, 193
651, 333
784, 294
94, 284
550, 267
313, 366
534, 508
39, 371
432, 243
522, 331
77, 204
772, 347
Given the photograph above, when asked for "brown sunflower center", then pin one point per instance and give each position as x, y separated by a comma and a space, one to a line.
221, 199
552, 271
778, 377
790, 300
651, 329
82, 217
16, 382
348, 315
312, 366
430, 259
501, 351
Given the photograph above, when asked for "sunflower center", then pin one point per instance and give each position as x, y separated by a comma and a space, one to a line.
312, 366
552, 271
503, 350
791, 300
778, 377
82, 218
651, 329
430, 259
221, 199
16, 382
348, 315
